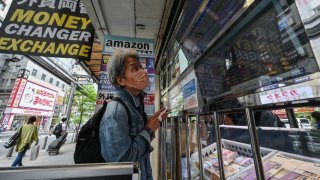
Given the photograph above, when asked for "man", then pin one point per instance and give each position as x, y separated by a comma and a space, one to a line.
60, 128
28, 134
119, 141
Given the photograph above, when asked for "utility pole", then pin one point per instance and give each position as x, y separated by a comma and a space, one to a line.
72, 92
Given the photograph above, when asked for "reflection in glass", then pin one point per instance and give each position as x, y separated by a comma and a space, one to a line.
270, 52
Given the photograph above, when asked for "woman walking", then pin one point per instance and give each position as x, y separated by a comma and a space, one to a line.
28, 134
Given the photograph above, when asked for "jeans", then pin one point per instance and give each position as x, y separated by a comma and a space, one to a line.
18, 160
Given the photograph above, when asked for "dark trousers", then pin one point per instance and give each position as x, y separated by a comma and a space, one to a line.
18, 160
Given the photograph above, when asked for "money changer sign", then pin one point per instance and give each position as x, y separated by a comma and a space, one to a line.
53, 28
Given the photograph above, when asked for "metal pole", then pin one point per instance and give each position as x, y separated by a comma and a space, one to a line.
219, 145
255, 145
199, 146
44, 142
188, 119
292, 119
72, 92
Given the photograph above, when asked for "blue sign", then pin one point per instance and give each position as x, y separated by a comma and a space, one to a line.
189, 89
283, 25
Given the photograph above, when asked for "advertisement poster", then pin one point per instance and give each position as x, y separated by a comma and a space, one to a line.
145, 50
58, 28
37, 97
189, 91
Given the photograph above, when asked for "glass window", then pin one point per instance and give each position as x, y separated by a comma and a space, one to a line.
34, 72
43, 77
63, 86
57, 83
269, 52
50, 81
18, 67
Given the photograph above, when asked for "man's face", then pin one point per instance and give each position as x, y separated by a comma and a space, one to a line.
132, 65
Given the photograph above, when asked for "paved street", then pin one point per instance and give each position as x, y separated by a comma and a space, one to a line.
65, 155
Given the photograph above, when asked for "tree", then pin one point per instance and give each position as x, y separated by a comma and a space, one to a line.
84, 104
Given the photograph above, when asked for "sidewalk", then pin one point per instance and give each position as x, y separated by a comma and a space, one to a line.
65, 157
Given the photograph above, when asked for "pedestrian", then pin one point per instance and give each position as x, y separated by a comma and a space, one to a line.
60, 128
316, 116
121, 142
28, 134
64, 125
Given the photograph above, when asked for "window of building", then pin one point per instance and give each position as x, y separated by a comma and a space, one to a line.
18, 67
34, 72
63, 86
43, 77
57, 83
50, 81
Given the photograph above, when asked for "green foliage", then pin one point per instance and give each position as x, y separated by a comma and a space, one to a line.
308, 116
84, 102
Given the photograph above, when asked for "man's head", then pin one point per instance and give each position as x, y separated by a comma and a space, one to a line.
125, 71
64, 119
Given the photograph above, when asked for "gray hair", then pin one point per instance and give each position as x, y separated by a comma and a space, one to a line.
116, 65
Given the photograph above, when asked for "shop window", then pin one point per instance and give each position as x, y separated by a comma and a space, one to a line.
18, 67
43, 77
34, 72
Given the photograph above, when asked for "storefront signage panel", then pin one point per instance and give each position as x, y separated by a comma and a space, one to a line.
144, 47
286, 94
58, 28
37, 97
30, 112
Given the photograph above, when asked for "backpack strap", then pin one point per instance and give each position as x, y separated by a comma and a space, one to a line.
118, 99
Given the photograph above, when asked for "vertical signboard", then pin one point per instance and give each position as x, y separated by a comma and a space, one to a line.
145, 50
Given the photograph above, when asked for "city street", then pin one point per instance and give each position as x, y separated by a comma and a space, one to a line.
65, 155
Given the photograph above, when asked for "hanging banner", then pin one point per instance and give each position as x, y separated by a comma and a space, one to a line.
52, 28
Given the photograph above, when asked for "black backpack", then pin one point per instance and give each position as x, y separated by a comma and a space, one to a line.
58, 129
88, 147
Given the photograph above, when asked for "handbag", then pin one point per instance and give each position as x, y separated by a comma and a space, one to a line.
34, 152
13, 140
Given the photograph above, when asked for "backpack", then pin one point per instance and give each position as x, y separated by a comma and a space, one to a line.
88, 147
57, 130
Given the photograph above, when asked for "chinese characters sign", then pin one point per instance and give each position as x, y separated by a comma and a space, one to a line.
53, 28
37, 97
275, 96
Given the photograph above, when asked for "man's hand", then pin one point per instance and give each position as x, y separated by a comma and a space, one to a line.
153, 122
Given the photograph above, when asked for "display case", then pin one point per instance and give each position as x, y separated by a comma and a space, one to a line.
257, 79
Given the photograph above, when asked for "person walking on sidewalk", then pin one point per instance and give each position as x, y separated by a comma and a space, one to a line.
60, 128
28, 134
